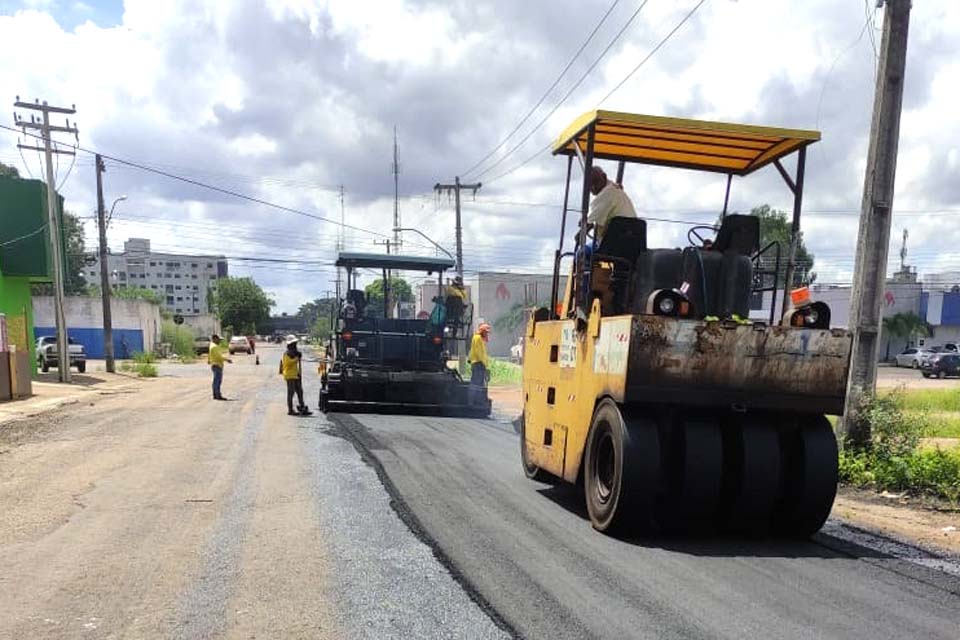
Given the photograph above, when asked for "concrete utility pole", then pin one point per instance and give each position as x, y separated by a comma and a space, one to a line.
53, 215
876, 210
341, 233
387, 275
455, 188
104, 270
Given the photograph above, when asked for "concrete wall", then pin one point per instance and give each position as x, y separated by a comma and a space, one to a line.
204, 324
497, 296
136, 323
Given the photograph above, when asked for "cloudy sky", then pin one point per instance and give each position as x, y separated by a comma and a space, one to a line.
286, 100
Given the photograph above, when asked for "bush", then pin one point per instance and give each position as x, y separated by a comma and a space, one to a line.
146, 370
179, 338
502, 373
893, 460
144, 358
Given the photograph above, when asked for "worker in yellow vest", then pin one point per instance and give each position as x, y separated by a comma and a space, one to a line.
216, 360
478, 358
292, 372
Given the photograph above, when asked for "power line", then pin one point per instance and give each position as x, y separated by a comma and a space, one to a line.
659, 45
545, 93
568, 93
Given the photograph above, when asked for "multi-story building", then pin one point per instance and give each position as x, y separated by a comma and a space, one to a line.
181, 281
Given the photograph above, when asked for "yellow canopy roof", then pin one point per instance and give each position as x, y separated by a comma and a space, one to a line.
676, 142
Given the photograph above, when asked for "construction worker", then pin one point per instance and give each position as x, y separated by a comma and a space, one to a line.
456, 302
609, 202
216, 360
291, 370
478, 358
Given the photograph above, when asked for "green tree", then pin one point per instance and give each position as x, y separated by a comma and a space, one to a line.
8, 171
775, 226
240, 303
309, 312
905, 326
73, 283
400, 291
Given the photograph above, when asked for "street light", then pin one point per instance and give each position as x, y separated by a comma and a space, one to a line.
120, 199
428, 239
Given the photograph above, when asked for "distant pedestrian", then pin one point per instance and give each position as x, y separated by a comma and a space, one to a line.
292, 371
216, 360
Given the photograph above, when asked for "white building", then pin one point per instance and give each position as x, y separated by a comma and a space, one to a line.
181, 281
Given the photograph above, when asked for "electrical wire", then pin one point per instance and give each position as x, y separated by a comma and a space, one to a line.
545, 93
659, 45
569, 92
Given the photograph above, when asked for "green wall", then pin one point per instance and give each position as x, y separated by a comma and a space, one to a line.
16, 304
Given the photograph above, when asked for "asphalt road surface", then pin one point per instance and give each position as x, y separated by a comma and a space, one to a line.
164, 514
529, 552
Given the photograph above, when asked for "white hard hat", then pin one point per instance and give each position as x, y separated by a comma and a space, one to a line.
291, 339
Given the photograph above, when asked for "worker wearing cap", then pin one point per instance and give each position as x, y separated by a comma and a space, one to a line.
216, 360
291, 371
478, 358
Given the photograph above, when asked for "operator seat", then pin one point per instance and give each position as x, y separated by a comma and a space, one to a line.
624, 240
737, 241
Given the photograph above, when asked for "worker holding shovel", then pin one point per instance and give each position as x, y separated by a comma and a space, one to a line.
292, 372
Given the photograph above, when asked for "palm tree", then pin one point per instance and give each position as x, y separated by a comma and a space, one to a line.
904, 325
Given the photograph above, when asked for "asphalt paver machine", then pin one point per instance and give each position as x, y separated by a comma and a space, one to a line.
646, 381
383, 364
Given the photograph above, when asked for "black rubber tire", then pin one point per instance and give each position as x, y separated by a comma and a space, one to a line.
926, 375
82, 367
810, 476
621, 470
44, 365
754, 475
695, 453
531, 470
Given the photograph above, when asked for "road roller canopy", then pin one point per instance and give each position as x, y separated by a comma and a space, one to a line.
393, 262
736, 149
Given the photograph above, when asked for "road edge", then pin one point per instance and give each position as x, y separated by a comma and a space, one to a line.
354, 431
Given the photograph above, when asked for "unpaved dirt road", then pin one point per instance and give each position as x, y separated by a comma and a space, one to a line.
164, 514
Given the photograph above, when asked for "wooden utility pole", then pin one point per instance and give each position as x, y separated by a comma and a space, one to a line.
455, 188
105, 290
875, 217
53, 214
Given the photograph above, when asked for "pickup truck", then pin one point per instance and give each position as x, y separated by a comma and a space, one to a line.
47, 354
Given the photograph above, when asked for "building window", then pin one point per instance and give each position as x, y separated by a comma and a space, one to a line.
93, 273
195, 310
170, 300
177, 287
193, 264
153, 264
194, 276
179, 310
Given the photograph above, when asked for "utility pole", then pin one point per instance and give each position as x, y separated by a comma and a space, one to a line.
876, 210
341, 233
53, 214
396, 194
456, 187
105, 291
387, 275
903, 251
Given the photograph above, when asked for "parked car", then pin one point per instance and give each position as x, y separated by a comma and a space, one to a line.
239, 343
941, 366
47, 356
911, 357
933, 351
201, 346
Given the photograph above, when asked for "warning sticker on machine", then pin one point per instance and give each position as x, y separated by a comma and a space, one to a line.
568, 346
612, 347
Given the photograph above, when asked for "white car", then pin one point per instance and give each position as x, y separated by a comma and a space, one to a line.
911, 357
47, 356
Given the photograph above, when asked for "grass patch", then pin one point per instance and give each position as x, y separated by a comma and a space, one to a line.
140, 357
505, 373
930, 399
894, 460
146, 370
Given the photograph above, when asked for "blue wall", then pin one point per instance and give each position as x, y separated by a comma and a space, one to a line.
125, 341
951, 309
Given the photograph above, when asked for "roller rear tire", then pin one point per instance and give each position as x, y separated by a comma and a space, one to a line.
810, 477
